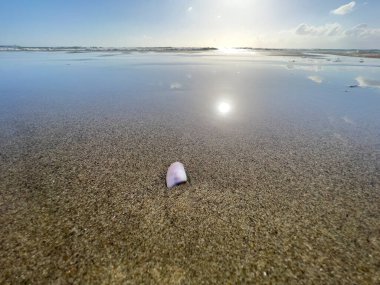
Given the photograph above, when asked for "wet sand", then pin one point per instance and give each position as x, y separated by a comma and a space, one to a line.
272, 199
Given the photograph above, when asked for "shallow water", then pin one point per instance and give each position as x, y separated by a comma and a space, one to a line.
283, 157
307, 92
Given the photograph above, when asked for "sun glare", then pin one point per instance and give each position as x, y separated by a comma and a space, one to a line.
224, 108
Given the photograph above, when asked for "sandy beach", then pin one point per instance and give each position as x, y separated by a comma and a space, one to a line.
284, 189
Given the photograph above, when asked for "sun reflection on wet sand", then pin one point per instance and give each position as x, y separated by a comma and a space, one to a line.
224, 107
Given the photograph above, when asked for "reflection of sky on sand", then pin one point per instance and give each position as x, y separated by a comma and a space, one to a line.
305, 66
347, 120
315, 78
175, 85
366, 82
246, 91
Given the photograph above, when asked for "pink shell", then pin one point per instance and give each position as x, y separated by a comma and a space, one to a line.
176, 175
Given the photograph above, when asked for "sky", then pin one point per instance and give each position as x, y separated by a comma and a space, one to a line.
192, 23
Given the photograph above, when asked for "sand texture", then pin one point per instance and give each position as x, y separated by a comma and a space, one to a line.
86, 202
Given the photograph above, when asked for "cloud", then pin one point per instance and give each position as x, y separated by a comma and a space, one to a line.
362, 31
365, 82
190, 9
344, 9
329, 30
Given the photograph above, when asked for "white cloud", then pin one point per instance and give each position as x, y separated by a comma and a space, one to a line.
189, 9
345, 9
362, 31
329, 30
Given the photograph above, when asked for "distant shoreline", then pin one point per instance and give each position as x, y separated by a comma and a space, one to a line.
364, 53
77, 49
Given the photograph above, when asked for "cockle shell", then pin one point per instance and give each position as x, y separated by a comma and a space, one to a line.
176, 175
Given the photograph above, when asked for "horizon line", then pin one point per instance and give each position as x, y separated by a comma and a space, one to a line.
169, 47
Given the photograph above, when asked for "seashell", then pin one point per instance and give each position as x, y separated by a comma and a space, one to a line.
176, 175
